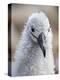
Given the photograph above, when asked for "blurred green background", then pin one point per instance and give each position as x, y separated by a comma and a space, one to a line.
19, 16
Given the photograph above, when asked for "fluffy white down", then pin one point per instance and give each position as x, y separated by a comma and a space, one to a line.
29, 59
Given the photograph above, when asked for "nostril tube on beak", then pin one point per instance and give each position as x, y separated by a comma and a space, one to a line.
40, 42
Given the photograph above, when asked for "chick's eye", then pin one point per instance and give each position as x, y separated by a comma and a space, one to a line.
33, 30
48, 29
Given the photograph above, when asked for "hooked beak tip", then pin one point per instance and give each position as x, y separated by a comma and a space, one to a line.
44, 52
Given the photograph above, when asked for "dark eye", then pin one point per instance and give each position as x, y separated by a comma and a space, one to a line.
33, 30
49, 30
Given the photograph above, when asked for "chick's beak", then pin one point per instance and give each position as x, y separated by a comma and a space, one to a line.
40, 42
